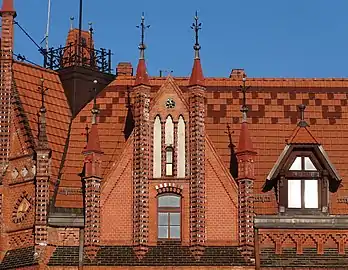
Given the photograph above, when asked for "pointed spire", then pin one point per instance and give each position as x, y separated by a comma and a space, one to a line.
245, 144
197, 77
93, 144
42, 136
7, 6
141, 76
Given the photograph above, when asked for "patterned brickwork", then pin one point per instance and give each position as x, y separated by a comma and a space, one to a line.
21, 239
141, 170
197, 181
5, 86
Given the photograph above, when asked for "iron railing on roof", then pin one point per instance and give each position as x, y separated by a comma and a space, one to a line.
78, 55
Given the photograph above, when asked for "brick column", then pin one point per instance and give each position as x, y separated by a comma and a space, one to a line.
92, 183
8, 14
141, 170
197, 165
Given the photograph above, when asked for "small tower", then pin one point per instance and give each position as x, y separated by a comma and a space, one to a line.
7, 14
197, 150
246, 176
43, 172
92, 180
141, 166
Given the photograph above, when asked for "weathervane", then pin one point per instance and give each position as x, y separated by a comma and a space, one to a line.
244, 89
143, 27
42, 91
196, 26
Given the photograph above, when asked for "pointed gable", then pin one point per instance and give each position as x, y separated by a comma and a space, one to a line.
302, 135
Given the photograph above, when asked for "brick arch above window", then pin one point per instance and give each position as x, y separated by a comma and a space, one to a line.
169, 188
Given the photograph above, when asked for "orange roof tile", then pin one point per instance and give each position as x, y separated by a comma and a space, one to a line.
302, 135
27, 78
272, 112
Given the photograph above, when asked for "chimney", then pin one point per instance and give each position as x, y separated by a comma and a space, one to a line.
124, 69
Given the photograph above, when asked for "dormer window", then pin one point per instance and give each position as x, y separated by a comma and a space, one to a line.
303, 193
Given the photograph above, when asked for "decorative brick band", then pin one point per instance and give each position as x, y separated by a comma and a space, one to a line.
197, 181
141, 171
169, 187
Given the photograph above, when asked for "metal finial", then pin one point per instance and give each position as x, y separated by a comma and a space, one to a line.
42, 91
90, 25
143, 27
196, 26
95, 109
87, 133
244, 108
72, 22
302, 109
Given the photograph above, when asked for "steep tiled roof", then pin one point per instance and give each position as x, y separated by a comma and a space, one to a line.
27, 78
272, 116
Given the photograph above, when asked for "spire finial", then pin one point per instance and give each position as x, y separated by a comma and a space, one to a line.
72, 22
95, 110
244, 108
42, 91
142, 27
196, 26
302, 109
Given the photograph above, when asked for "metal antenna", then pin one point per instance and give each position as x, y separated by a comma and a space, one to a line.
143, 27
244, 108
48, 24
196, 26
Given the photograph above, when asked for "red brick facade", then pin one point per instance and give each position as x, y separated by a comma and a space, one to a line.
67, 202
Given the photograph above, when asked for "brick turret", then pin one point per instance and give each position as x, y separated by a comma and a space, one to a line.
246, 176
43, 172
141, 166
197, 149
92, 180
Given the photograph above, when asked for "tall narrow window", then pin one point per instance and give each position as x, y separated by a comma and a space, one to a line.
157, 149
169, 217
181, 156
169, 129
169, 161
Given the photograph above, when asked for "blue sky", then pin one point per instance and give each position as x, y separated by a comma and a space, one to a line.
268, 38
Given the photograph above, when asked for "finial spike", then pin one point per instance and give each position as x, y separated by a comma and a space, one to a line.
42, 91
196, 26
95, 110
72, 22
302, 109
244, 108
142, 27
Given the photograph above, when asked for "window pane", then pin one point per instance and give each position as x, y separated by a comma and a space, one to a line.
309, 166
169, 201
294, 193
169, 169
175, 232
296, 166
311, 194
162, 231
162, 218
169, 155
174, 218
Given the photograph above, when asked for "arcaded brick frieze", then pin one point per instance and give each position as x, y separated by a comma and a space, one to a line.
197, 181
141, 170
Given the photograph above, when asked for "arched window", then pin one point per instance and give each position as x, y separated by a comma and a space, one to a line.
157, 149
181, 156
169, 217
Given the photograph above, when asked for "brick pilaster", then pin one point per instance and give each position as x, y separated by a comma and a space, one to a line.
246, 176
7, 20
141, 170
197, 181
